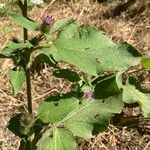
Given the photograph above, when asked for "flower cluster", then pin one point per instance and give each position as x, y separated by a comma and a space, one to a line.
89, 95
48, 21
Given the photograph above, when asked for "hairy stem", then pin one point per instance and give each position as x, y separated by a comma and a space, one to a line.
27, 69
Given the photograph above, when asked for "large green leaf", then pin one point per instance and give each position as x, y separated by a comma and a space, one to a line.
81, 120
54, 109
90, 50
84, 118
24, 22
62, 140
60, 24
132, 95
17, 79
12, 47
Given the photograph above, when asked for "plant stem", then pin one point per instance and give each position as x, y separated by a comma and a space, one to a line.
27, 69
29, 96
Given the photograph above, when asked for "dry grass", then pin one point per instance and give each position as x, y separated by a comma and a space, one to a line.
135, 30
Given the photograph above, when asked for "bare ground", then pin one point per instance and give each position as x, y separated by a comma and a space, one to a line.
131, 25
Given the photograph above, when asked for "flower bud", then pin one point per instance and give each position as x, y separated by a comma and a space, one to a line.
89, 95
46, 25
48, 21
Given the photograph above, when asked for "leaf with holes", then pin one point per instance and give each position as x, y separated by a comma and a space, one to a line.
82, 120
91, 51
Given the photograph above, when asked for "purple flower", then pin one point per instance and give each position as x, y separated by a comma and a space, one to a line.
49, 20
88, 95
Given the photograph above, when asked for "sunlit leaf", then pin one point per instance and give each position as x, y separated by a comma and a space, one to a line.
62, 140
82, 120
146, 63
17, 79
92, 51
12, 47
60, 24
24, 22
53, 109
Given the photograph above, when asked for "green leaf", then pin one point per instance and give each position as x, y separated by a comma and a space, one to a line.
21, 45
146, 63
102, 123
81, 120
106, 87
67, 141
45, 143
7, 52
60, 24
24, 22
55, 109
17, 79
132, 95
51, 51
67, 74
12, 47
91, 51
43, 58
62, 140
